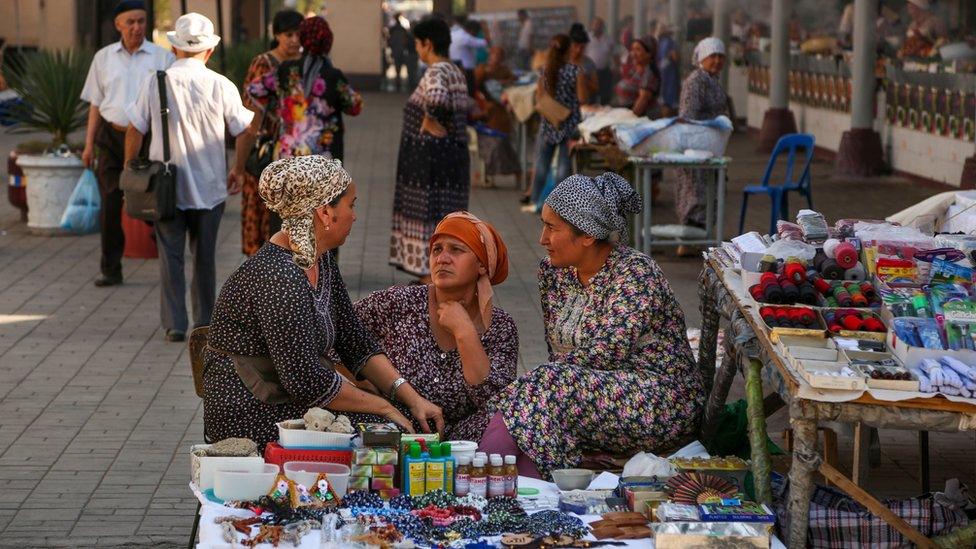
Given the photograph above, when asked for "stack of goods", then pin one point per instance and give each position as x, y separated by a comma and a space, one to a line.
319, 436
852, 320
791, 317
374, 461
946, 375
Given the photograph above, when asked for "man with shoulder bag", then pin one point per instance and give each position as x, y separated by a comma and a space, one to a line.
197, 106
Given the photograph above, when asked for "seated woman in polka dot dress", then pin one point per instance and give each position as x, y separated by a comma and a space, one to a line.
454, 346
287, 303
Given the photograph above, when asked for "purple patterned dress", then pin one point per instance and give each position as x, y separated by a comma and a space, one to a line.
620, 376
400, 320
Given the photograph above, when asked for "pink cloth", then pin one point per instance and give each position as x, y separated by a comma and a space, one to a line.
497, 440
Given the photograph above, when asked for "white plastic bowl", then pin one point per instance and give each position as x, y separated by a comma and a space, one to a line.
210, 465
302, 438
306, 473
245, 485
463, 448
572, 479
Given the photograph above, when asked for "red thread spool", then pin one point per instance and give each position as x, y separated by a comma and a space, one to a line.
795, 271
859, 300
821, 285
872, 324
845, 255
868, 290
756, 292
767, 278
852, 322
835, 328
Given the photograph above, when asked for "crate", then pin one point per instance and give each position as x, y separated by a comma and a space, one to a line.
274, 453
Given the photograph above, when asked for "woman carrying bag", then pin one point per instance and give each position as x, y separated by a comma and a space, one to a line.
558, 95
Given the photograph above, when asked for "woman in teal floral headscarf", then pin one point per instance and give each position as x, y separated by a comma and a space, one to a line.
309, 95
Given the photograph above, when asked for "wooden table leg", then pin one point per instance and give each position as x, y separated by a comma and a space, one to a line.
759, 451
805, 462
710, 318
861, 465
923, 460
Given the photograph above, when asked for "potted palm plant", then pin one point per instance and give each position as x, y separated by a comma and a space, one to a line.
50, 84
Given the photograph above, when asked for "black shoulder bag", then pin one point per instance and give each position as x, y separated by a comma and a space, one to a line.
263, 152
149, 186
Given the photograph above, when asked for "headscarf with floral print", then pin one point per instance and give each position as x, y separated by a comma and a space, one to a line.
294, 188
316, 36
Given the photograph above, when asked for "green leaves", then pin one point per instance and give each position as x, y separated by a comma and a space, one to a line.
50, 84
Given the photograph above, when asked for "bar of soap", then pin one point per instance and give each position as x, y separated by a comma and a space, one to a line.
389, 493
358, 470
357, 484
383, 470
364, 456
381, 483
384, 456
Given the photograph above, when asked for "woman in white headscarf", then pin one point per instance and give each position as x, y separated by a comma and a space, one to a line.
702, 98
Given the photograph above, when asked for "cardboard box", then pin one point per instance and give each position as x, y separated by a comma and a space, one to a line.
808, 348
383, 435
818, 375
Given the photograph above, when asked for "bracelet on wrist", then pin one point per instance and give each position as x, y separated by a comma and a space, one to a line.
396, 385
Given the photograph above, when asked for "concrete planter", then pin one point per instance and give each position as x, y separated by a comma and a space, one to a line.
51, 180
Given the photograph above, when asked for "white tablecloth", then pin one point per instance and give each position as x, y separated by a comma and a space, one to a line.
211, 537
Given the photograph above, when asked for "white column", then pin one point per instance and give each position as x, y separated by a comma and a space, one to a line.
613, 15
676, 13
721, 30
780, 58
590, 12
640, 19
862, 73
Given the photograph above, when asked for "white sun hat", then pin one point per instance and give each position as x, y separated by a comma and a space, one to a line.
193, 33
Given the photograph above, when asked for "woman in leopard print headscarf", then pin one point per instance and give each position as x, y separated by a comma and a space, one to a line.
286, 308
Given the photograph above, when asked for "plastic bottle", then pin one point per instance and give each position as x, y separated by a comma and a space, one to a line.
511, 477
496, 477
462, 477
481, 455
479, 478
416, 471
450, 463
435, 469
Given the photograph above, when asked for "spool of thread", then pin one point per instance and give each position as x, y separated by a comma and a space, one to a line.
818, 259
872, 324
768, 315
808, 295
805, 317
782, 317
857, 272
842, 296
852, 322
790, 292
756, 292
766, 278
831, 270
821, 285
767, 264
795, 270
868, 290
843, 252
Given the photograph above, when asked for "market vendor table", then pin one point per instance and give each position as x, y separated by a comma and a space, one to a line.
644, 168
748, 345
211, 536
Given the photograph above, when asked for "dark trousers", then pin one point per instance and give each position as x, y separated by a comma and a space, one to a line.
111, 159
201, 226
604, 77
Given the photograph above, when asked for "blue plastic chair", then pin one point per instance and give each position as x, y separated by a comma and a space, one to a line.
779, 193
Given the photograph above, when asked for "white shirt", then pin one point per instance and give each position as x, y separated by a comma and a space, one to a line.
115, 75
525, 35
600, 50
202, 103
464, 47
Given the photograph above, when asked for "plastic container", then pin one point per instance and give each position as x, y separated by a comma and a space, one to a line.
450, 462
204, 467
302, 439
415, 471
274, 453
245, 485
461, 448
572, 479
307, 472
435, 469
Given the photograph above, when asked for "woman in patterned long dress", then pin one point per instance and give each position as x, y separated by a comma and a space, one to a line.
285, 308
255, 217
433, 177
564, 82
455, 347
620, 376
702, 98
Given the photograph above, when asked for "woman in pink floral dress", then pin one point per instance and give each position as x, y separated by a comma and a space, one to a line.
620, 376
309, 95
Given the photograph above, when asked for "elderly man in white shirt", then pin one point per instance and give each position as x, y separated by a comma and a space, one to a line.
202, 105
113, 83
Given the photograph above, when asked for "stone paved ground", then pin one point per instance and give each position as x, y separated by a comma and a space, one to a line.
97, 412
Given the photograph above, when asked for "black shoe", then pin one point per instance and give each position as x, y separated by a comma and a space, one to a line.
525, 199
103, 281
175, 336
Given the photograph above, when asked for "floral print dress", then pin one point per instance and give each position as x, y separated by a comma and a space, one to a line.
400, 319
255, 216
310, 97
620, 376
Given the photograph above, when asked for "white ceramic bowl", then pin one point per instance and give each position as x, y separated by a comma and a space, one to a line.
306, 472
463, 448
302, 438
572, 479
245, 485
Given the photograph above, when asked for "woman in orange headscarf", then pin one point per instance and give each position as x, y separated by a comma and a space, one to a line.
448, 339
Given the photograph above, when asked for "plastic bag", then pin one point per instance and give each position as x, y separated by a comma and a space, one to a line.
84, 207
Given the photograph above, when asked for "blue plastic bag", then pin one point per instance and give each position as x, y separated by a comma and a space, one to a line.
84, 207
